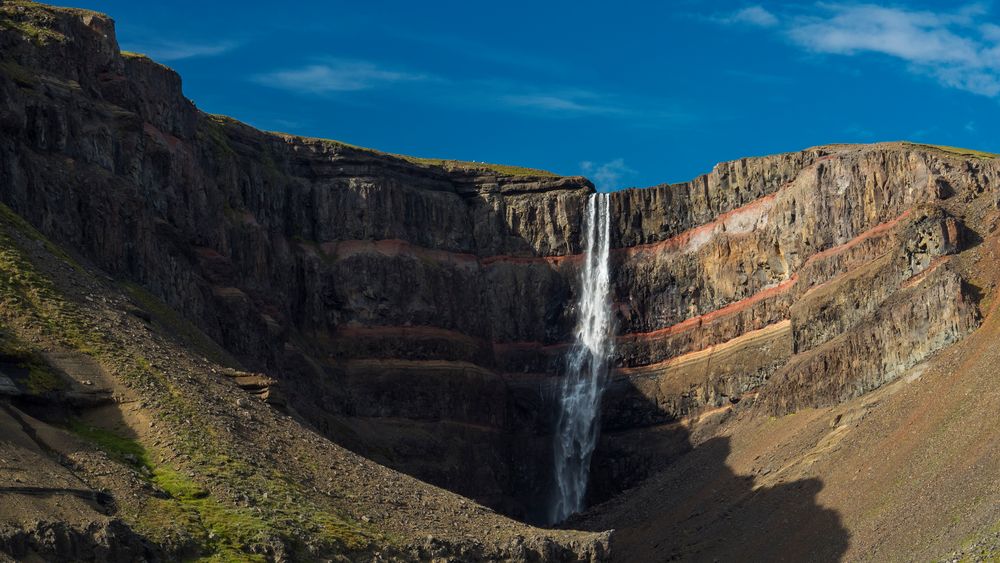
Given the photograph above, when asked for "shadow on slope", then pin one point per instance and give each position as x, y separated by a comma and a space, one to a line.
695, 508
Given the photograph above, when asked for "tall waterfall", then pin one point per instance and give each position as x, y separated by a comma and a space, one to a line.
586, 368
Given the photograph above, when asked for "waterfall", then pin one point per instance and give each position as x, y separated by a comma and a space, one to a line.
581, 387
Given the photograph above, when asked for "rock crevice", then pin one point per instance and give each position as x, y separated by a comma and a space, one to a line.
417, 311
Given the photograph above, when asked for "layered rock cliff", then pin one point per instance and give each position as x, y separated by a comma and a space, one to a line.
417, 311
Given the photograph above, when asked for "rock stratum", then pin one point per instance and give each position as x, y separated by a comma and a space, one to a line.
222, 342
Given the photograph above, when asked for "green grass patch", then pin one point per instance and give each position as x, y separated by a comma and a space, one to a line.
32, 20
220, 532
120, 448
281, 510
956, 151
983, 547
196, 516
20, 75
27, 296
8, 217
35, 376
190, 516
212, 129
176, 324
447, 164
42, 380
142, 59
30, 370
228, 532
25, 293
36, 33
503, 169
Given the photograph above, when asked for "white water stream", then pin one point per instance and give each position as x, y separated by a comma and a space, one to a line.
580, 390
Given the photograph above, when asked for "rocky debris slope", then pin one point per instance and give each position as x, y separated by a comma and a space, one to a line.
417, 311
341, 272
904, 472
182, 456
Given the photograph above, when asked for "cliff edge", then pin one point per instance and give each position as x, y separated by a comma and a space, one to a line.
299, 348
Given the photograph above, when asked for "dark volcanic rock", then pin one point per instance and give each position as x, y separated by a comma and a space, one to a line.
418, 312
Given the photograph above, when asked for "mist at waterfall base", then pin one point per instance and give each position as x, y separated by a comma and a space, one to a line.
579, 399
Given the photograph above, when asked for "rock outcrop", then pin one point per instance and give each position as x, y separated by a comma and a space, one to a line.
417, 311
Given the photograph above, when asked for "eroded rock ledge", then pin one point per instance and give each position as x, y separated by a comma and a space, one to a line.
417, 312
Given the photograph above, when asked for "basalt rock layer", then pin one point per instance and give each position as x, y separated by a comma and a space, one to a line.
417, 312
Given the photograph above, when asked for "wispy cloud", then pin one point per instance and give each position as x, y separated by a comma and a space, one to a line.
919, 37
751, 15
607, 176
560, 102
167, 50
352, 76
566, 102
335, 76
954, 47
343, 77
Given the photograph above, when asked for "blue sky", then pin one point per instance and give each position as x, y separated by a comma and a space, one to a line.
634, 95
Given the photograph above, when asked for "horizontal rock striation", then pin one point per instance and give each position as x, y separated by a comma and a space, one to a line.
418, 311
826, 288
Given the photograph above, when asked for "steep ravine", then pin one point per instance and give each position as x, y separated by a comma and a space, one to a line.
419, 312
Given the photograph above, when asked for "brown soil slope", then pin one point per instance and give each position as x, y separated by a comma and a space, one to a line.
243, 307
127, 435
907, 472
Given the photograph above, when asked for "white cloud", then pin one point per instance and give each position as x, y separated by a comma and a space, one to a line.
561, 102
335, 76
751, 15
921, 37
576, 102
607, 176
177, 50
952, 47
328, 76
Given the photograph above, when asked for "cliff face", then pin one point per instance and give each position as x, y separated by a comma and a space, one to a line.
344, 272
417, 312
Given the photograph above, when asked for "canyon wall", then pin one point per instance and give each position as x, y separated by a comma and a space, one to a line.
418, 311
